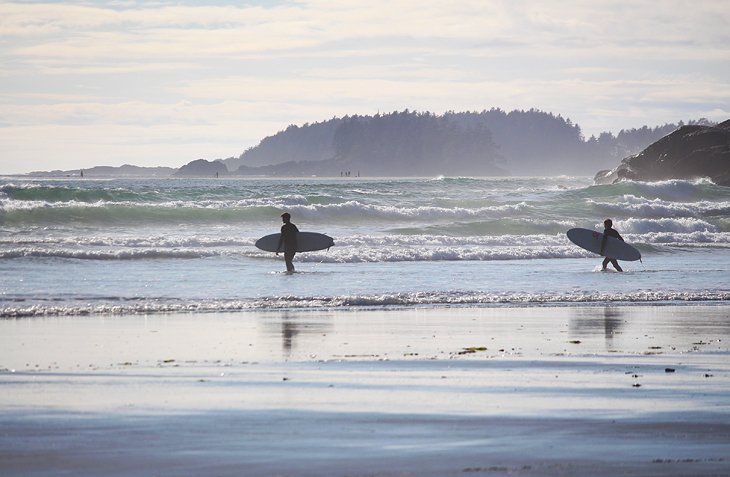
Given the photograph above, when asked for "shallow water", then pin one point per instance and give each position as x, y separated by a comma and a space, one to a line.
76, 246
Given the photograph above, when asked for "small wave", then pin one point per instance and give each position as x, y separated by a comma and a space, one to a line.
505, 227
675, 187
363, 301
674, 190
688, 238
29, 205
641, 206
58, 193
155, 241
374, 192
357, 211
234, 211
681, 225
130, 213
124, 254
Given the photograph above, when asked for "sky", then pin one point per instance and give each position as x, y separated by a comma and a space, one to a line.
162, 83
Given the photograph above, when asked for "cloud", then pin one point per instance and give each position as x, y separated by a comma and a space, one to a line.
240, 72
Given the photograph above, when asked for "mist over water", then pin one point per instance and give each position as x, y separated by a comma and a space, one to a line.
82, 246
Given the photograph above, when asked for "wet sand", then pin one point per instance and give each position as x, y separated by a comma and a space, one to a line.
424, 392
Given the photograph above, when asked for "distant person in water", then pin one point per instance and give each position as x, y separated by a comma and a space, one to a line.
609, 231
288, 238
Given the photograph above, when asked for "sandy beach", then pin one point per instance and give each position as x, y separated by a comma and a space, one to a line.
636, 390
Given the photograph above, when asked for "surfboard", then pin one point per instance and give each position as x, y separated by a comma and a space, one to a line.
615, 248
306, 242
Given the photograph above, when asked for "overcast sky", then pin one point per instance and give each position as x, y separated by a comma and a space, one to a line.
86, 83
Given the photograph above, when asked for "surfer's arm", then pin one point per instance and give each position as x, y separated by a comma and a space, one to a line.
281, 239
294, 237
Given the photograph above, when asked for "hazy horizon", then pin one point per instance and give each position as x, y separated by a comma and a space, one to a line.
112, 83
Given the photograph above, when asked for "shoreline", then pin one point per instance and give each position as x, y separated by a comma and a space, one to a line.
284, 305
549, 390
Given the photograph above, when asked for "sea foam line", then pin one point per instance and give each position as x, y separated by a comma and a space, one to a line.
371, 301
346, 255
124, 254
299, 207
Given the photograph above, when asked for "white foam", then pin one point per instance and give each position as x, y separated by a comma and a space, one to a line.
660, 208
119, 254
419, 240
450, 298
434, 254
687, 238
673, 188
358, 210
359, 248
679, 224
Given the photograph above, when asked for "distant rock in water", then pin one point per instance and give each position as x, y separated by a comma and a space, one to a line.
202, 168
690, 152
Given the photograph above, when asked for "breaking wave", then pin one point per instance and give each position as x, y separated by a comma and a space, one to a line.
654, 236
660, 208
40, 212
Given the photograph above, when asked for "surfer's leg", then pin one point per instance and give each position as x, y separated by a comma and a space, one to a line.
288, 257
616, 265
605, 263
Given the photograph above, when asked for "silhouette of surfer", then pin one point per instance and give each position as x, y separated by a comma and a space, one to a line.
609, 231
288, 238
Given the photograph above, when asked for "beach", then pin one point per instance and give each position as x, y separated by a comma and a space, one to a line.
547, 390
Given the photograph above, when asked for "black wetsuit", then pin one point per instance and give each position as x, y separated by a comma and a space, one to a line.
289, 233
610, 233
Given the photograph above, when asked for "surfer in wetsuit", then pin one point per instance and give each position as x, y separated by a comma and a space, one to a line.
609, 231
288, 238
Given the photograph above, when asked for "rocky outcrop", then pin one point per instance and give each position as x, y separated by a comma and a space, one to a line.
690, 152
202, 168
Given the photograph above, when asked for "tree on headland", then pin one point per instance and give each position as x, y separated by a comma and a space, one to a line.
410, 143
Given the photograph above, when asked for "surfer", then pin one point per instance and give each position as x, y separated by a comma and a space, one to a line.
609, 231
288, 237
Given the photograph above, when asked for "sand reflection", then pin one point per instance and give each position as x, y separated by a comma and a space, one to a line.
588, 323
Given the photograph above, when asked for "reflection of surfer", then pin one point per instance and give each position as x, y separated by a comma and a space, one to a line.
288, 237
610, 232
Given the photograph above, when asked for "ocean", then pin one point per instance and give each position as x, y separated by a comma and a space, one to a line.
78, 246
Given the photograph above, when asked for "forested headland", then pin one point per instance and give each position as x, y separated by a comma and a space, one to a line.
409, 143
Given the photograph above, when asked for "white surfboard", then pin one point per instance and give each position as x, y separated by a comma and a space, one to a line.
306, 242
615, 248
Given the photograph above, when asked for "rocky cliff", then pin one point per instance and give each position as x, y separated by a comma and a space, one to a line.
690, 152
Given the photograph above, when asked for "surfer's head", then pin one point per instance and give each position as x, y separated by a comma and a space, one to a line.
608, 223
286, 217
